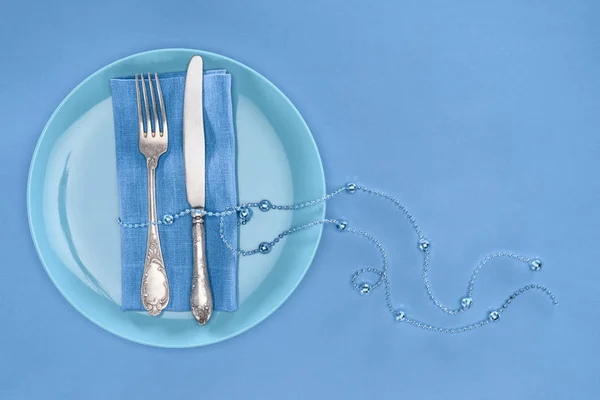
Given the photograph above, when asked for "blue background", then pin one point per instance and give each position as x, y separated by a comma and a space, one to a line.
482, 118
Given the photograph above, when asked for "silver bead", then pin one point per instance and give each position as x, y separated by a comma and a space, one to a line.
424, 244
264, 205
168, 219
535, 265
400, 315
494, 315
342, 225
351, 187
364, 288
466, 302
264, 248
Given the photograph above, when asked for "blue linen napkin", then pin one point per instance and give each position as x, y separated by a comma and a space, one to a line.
221, 191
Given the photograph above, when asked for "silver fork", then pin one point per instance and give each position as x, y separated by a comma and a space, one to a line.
153, 144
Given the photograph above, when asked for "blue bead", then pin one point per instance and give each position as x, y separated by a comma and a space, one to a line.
264, 205
245, 214
535, 265
351, 187
168, 219
264, 248
400, 315
364, 288
424, 244
494, 315
342, 225
466, 302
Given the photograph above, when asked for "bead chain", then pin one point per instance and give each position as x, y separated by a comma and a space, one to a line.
264, 205
265, 247
244, 212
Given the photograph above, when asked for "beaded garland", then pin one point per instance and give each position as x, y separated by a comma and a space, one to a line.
245, 213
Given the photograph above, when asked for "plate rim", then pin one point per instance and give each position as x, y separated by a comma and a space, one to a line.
44, 263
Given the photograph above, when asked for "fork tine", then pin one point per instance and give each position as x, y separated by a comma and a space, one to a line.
148, 126
163, 115
139, 104
156, 128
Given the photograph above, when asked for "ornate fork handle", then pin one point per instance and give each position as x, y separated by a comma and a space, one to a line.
155, 285
201, 301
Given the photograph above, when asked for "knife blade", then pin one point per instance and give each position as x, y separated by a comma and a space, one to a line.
201, 302
193, 134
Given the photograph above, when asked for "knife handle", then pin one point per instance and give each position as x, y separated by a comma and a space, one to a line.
201, 301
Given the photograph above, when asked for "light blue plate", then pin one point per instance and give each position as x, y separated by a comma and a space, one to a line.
73, 205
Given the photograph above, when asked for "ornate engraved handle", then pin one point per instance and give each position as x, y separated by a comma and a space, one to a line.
155, 285
201, 297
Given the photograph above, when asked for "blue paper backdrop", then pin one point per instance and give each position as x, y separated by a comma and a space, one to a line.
482, 116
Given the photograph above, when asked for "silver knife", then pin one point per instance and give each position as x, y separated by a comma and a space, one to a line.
201, 301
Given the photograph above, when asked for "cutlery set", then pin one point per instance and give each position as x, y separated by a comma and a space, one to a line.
153, 142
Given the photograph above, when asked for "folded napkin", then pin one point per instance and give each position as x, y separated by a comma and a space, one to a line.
221, 191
